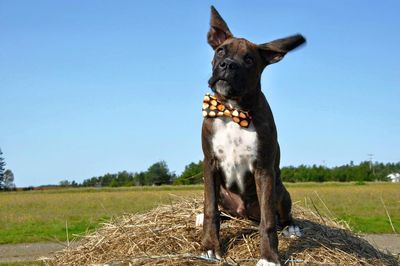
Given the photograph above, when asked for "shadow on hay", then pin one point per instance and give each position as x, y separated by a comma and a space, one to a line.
318, 241
335, 239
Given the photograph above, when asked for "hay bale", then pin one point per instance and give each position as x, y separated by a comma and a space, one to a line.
167, 236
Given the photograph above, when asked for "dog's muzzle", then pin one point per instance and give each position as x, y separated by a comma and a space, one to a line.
223, 87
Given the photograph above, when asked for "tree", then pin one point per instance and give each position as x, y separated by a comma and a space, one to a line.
90, 182
124, 178
193, 174
9, 180
114, 183
139, 179
158, 174
74, 184
65, 183
2, 169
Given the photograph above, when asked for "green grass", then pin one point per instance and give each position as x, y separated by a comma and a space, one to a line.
34, 216
359, 205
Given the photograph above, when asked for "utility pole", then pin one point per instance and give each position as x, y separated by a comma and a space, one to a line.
371, 165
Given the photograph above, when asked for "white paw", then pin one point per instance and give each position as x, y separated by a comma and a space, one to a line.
292, 231
264, 262
210, 254
199, 219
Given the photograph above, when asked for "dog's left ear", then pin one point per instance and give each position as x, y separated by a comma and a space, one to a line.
274, 51
219, 31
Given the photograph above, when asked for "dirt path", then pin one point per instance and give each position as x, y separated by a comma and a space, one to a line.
33, 251
28, 251
385, 242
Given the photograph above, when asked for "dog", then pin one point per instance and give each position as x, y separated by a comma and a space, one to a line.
239, 142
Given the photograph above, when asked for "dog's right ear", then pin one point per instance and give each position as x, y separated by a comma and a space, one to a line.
219, 31
274, 51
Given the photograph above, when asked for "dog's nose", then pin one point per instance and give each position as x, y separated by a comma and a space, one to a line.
228, 64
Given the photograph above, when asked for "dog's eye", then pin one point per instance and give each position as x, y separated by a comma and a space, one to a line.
220, 52
249, 60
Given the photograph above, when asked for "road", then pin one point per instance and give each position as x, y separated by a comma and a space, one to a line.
34, 251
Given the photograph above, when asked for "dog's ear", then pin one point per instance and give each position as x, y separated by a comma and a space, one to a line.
274, 51
219, 31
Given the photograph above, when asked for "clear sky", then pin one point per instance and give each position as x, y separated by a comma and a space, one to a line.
90, 87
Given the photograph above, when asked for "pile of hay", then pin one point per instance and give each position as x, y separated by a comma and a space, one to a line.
167, 236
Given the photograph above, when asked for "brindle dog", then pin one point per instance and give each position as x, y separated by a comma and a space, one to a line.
241, 165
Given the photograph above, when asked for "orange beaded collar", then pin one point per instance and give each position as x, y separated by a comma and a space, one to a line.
214, 108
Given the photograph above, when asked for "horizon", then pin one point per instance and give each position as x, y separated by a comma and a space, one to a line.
351, 163
90, 87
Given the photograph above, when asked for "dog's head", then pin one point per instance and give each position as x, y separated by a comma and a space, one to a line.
238, 63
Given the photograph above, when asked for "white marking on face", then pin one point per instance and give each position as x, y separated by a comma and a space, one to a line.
264, 262
236, 149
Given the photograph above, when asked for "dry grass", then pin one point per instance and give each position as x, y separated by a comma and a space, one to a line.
167, 236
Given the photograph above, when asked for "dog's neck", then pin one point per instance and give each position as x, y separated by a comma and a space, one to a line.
247, 102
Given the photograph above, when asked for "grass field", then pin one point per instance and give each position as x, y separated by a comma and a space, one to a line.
363, 207
45, 215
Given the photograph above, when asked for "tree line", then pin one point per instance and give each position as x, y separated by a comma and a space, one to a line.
363, 172
159, 174
6, 175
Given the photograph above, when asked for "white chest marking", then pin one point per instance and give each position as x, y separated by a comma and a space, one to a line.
236, 149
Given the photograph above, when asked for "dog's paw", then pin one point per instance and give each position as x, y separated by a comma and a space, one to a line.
210, 254
199, 219
264, 262
292, 231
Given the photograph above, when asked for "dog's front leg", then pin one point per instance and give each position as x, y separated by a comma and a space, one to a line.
211, 222
266, 196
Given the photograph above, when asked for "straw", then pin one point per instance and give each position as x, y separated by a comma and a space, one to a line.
167, 235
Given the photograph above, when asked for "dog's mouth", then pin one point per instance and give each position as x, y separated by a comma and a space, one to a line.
221, 86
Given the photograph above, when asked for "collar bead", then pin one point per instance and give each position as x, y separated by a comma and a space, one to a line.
213, 108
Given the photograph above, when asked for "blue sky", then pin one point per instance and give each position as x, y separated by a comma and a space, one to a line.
89, 87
